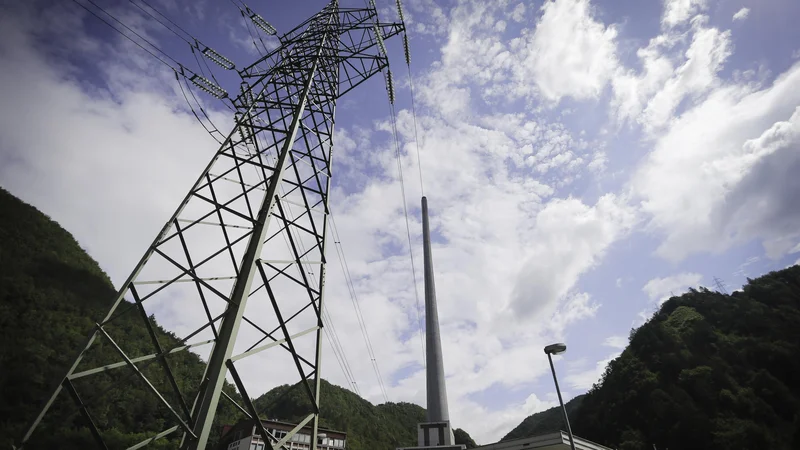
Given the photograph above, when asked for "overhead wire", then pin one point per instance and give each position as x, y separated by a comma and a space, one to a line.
414, 116
244, 15
398, 156
187, 37
178, 68
125, 35
356, 305
210, 132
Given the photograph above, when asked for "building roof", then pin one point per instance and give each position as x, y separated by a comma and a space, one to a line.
248, 424
551, 441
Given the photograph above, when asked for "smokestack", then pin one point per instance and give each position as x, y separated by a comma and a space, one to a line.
437, 393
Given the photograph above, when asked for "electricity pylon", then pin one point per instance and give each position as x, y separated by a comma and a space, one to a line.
242, 259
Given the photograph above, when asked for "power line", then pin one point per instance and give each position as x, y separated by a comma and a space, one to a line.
408, 228
179, 70
356, 306
132, 31
194, 43
390, 91
407, 54
210, 132
125, 35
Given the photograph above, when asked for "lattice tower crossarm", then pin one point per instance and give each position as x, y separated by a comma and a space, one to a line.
245, 250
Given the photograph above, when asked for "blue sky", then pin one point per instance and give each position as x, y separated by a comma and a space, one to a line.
582, 159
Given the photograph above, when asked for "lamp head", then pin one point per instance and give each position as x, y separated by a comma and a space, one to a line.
555, 349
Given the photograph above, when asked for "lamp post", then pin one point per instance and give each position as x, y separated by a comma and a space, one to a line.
557, 349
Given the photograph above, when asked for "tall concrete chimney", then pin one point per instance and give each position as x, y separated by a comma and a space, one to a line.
437, 393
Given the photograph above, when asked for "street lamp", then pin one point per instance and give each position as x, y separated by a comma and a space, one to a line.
557, 349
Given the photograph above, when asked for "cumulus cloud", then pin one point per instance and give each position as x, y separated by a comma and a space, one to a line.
704, 58
677, 12
712, 183
661, 289
569, 239
518, 14
741, 14
652, 97
569, 54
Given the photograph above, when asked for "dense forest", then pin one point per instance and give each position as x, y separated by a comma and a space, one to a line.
708, 370
51, 292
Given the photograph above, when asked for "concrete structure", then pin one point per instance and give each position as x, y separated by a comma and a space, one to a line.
244, 436
436, 432
551, 441
436, 390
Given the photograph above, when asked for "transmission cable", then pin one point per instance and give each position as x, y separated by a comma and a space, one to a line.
354, 299
258, 22
125, 35
398, 156
210, 132
390, 90
177, 70
193, 43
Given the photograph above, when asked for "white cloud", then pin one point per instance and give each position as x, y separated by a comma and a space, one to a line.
741, 14
661, 289
518, 14
584, 379
711, 183
570, 54
569, 238
618, 342
652, 97
677, 12
704, 58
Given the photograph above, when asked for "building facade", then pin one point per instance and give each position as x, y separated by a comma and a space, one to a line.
245, 436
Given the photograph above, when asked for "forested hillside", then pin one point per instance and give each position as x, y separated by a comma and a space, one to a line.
368, 427
708, 370
547, 421
51, 294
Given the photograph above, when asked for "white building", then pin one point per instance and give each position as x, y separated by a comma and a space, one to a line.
244, 436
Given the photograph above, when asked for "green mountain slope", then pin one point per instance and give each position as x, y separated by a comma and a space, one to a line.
462, 437
368, 427
547, 421
51, 292
708, 370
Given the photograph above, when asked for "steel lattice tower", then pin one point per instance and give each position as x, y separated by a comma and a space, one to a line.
246, 246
